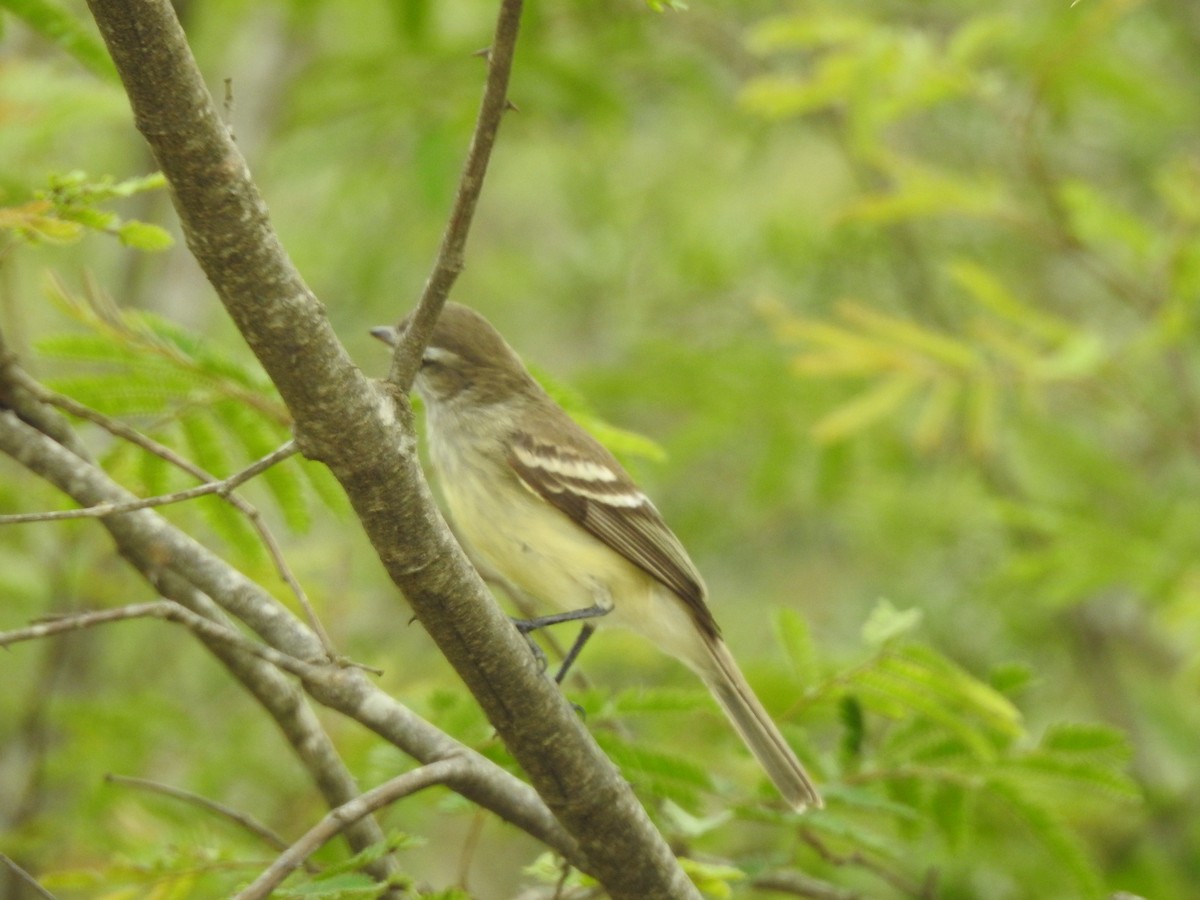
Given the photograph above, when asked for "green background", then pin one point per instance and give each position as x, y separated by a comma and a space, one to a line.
895, 306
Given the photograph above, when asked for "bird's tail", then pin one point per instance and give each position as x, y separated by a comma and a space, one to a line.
727, 684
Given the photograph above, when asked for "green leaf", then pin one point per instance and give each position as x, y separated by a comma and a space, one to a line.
662, 768
1090, 739
985, 287
691, 826
393, 841
974, 695
886, 623
259, 438
95, 219
1074, 775
125, 395
1011, 678
56, 24
950, 807
797, 642
851, 714
928, 193
866, 409
1062, 846
871, 803
154, 181
640, 700
1098, 220
548, 869
854, 833
144, 236
793, 31
712, 879
345, 886
918, 681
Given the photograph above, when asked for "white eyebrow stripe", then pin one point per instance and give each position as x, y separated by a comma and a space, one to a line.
438, 355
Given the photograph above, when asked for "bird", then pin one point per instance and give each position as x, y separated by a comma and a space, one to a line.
544, 509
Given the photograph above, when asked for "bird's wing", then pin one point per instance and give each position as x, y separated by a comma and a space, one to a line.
589, 486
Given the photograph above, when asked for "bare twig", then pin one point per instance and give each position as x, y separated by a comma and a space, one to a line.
924, 890
449, 263
158, 609
470, 845
403, 785
26, 877
798, 884
220, 488
172, 612
245, 820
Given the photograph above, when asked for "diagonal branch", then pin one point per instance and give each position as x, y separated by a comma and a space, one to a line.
366, 437
442, 772
30, 881
449, 263
246, 821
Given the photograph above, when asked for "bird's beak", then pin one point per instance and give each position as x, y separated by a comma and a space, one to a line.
385, 333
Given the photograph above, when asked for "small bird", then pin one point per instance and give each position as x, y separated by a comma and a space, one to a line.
544, 509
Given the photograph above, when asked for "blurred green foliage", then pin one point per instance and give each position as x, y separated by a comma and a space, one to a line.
906, 293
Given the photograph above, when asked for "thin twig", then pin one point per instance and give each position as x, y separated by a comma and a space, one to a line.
470, 845
449, 263
76, 621
336, 819
125, 432
245, 820
26, 877
797, 884
925, 890
172, 612
221, 488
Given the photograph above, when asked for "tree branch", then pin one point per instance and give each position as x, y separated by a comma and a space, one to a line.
221, 488
797, 884
442, 772
366, 437
61, 624
449, 263
248, 822
26, 877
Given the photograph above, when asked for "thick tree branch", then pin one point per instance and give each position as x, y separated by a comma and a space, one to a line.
366, 438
